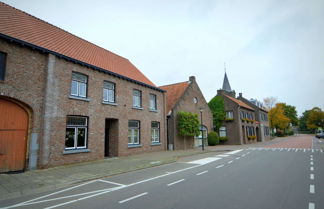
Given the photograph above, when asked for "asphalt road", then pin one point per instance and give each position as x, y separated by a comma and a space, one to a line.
255, 178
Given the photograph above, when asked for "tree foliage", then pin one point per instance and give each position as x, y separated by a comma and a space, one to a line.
291, 112
269, 102
188, 124
303, 121
216, 106
277, 118
315, 118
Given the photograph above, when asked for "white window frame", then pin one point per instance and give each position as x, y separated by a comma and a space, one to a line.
222, 131
153, 102
229, 115
131, 133
76, 130
155, 132
80, 84
109, 92
137, 99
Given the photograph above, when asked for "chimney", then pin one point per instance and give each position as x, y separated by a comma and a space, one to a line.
240, 95
192, 79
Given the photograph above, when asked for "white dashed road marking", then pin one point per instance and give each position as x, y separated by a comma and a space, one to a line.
312, 168
175, 182
233, 152
219, 166
311, 205
132, 198
198, 174
311, 189
230, 162
311, 176
204, 160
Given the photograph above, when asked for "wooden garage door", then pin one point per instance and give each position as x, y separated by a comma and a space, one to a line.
13, 132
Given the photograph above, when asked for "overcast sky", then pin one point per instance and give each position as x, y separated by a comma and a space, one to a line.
271, 47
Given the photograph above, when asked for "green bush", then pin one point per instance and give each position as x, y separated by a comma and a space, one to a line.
223, 138
213, 138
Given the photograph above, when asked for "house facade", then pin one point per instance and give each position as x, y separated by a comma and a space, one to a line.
186, 96
240, 125
261, 118
64, 100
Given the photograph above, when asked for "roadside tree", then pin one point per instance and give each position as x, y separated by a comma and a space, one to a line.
216, 105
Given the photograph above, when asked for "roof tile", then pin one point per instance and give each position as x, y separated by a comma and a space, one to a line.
20, 25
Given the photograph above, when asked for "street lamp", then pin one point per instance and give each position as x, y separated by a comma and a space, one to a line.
202, 133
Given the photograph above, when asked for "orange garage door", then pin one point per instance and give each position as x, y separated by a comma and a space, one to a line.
13, 132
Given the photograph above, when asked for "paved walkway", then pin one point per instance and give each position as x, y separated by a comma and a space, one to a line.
31, 182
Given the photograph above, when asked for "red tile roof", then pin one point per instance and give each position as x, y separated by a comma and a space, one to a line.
22, 26
239, 102
174, 92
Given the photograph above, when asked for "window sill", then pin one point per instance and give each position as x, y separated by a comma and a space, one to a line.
109, 103
134, 145
153, 111
79, 98
138, 108
75, 151
156, 144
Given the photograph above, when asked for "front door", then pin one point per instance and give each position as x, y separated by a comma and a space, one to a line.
13, 133
107, 127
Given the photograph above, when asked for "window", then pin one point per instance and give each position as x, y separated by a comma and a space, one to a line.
202, 129
153, 105
133, 132
229, 115
155, 132
109, 92
3, 59
79, 85
195, 100
222, 131
76, 132
242, 115
137, 98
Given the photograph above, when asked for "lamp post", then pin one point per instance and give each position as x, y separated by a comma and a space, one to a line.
202, 133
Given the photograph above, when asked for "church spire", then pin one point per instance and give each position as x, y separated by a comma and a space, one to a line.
226, 84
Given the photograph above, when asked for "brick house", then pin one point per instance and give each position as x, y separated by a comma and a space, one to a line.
186, 96
240, 126
65, 100
261, 118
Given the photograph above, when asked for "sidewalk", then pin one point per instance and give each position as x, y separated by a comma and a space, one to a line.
36, 181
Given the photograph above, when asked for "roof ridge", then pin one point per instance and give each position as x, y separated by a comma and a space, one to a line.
174, 83
62, 29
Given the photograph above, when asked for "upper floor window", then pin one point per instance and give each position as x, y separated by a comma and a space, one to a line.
3, 60
153, 105
155, 132
229, 115
79, 85
76, 132
109, 92
133, 132
195, 100
137, 98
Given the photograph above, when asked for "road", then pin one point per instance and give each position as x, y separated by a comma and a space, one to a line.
252, 178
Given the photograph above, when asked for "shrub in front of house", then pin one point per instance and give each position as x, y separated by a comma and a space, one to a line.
223, 138
213, 138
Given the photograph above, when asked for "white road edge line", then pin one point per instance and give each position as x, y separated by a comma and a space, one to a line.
311, 205
134, 197
233, 152
175, 182
230, 162
110, 182
198, 174
220, 166
312, 189
237, 158
311, 176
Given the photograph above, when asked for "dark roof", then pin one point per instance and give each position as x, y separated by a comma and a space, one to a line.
226, 84
239, 102
173, 93
24, 28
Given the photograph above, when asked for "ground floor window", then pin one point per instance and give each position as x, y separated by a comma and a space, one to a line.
250, 131
76, 132
202, 132
133, 132
222, 131
155, 132
266, 131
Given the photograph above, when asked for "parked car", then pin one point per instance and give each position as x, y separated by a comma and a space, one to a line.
320, 135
